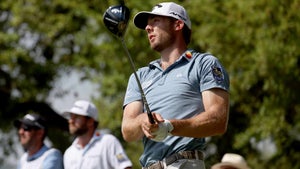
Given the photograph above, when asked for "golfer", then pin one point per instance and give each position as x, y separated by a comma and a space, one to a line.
187, 92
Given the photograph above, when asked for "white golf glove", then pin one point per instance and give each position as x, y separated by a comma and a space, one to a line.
164, 129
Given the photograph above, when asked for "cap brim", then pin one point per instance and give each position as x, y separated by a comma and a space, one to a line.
74, 110
17, 123
219, 165
140, 20
66, 114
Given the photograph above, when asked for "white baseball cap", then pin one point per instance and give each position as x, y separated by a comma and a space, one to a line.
169, 9
83, 108
233, 160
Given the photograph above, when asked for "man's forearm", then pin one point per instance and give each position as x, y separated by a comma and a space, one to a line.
131, 129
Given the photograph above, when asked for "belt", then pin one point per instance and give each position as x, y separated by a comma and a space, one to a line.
177, 156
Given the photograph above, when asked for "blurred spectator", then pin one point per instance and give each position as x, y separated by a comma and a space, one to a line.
231, 161
32, 130
92, 149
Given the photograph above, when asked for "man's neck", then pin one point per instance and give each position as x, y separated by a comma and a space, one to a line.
83, 140
34, 149
170, 55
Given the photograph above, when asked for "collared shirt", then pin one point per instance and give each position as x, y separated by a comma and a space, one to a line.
104, 151
175, 93
45, 158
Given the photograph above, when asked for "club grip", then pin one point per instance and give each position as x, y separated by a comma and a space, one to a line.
150, 117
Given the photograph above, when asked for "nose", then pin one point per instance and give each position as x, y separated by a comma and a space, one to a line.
148, 28
71, 120
21, 130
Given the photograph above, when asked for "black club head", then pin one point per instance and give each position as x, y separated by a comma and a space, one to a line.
116, 18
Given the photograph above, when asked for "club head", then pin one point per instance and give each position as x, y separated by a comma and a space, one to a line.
116, 18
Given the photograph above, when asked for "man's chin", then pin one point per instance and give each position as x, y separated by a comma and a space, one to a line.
78, 132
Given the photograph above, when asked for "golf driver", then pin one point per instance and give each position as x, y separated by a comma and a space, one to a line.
115, 19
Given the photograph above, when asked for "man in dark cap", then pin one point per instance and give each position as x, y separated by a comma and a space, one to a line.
32, 131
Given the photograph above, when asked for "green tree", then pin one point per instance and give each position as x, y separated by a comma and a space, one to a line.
257, 42
39, 40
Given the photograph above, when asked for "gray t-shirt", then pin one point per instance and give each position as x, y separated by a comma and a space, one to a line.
175, 93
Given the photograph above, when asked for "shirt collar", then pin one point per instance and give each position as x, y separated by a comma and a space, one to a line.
95, 137
38, 154
187, 55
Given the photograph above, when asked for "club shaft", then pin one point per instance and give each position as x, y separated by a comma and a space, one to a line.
151, 119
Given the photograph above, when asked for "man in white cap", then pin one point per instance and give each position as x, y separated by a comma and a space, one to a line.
32, 131
231, 161
92, 149
187, 92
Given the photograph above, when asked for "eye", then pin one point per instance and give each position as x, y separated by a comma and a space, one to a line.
155, 19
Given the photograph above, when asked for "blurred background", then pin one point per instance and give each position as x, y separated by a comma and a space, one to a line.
53, 52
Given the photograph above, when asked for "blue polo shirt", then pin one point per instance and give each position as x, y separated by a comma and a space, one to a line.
46, 158
175, 93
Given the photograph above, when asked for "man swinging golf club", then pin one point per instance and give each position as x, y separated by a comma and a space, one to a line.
187, 92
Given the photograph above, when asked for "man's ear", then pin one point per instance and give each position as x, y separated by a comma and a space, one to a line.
90, 122
179, 24
40, 132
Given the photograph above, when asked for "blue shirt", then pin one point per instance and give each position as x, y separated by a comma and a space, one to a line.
52, 160
175, 93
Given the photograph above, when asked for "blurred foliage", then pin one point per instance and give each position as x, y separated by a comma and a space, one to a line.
257, 42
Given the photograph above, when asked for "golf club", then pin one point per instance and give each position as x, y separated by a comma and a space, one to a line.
115, 19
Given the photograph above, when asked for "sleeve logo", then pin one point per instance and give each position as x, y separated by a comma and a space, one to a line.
217, 73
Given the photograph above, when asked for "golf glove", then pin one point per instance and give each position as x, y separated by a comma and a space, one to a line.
164, 129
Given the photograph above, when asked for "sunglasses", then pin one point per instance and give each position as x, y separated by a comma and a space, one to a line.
26, 128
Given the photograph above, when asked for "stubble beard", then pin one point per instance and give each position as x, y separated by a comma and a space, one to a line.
163, 42
78, 131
